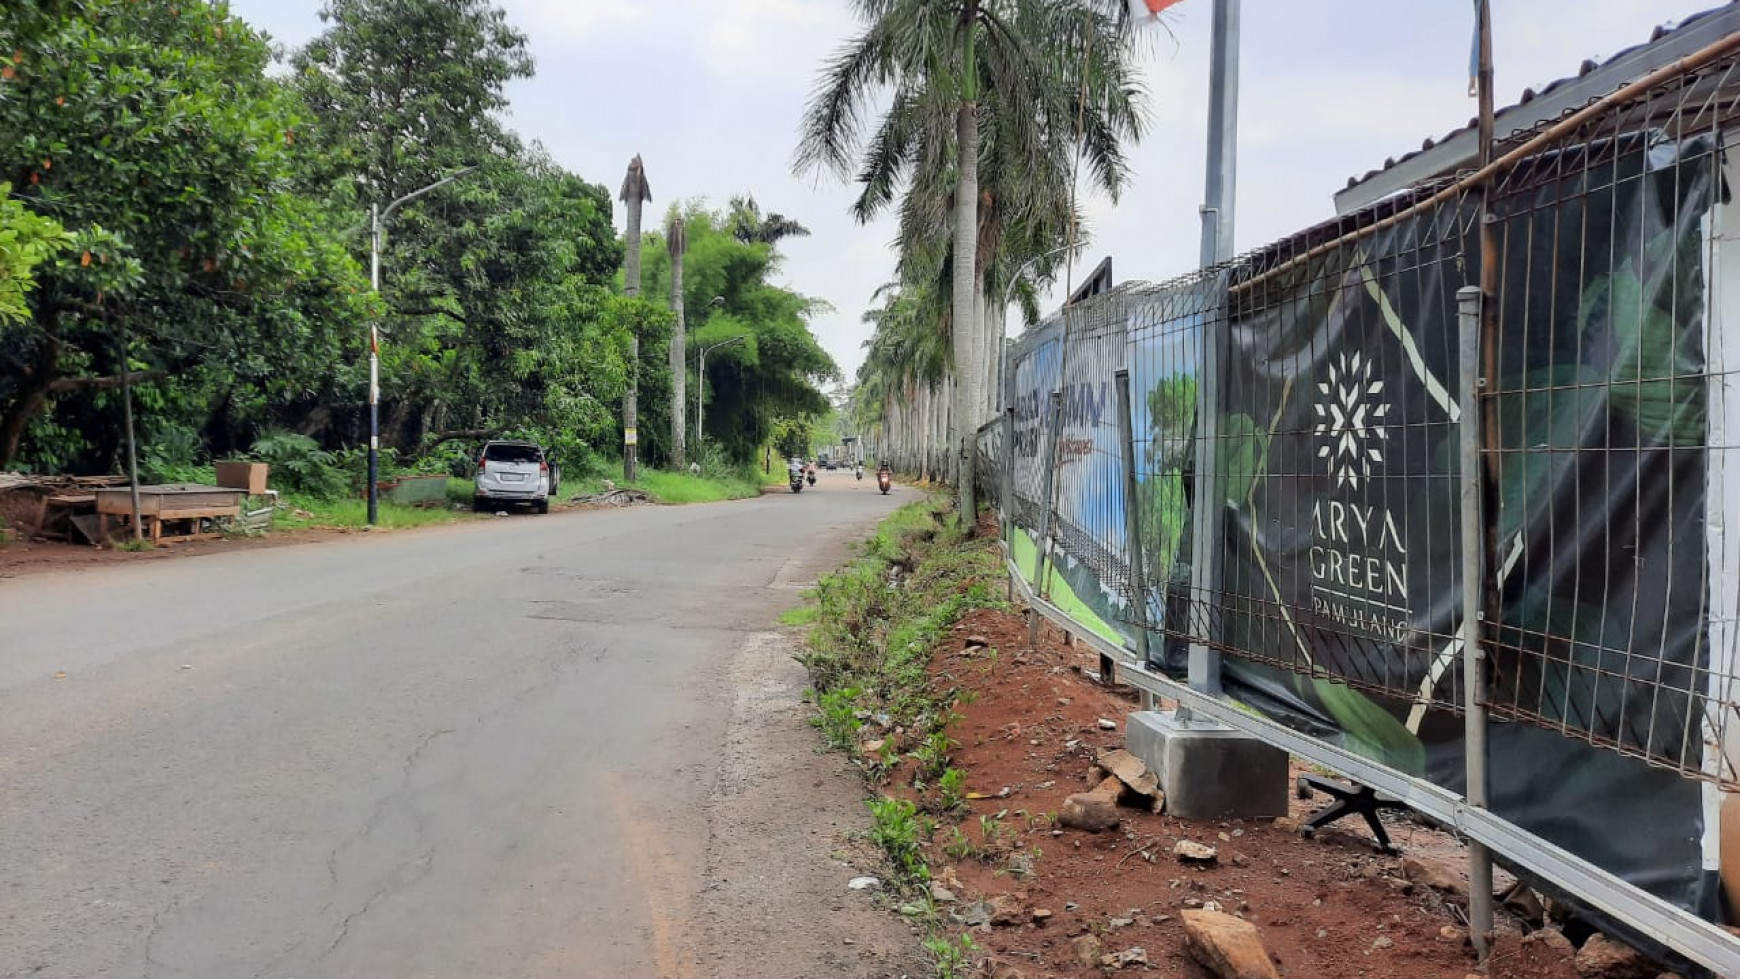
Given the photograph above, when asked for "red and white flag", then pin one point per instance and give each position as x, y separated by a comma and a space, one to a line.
1150, 8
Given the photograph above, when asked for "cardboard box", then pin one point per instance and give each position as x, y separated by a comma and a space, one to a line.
249, 476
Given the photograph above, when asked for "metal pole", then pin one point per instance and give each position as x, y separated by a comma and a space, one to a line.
1219, 194
377, 219
1476, 317
1007, 492
1043, 543
1132, 517
374, 365
700, 392
132, 441
1468, 303
1223, 126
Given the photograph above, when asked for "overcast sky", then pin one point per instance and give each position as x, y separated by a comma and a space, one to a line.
715, 88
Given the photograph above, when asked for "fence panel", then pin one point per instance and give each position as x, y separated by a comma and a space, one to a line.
1610, 576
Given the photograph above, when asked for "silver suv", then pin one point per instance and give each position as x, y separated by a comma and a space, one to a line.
513, 473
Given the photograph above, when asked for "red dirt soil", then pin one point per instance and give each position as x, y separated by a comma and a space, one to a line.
1328, 907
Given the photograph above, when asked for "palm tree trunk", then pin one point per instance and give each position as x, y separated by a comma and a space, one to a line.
967, 342
634, 194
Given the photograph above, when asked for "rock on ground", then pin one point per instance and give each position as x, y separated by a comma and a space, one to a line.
1094, 811
1229, 947
1603, 958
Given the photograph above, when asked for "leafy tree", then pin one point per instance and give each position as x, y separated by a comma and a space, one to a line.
26, 241
152, 134
777, 370
498, 315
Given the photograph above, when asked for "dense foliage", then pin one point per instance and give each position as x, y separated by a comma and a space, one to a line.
168, 197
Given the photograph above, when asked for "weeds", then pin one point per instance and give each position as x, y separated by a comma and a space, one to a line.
900, 831
133, 546
951, 790
953, 959
837, 717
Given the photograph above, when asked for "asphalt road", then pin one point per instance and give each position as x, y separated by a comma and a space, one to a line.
482, 750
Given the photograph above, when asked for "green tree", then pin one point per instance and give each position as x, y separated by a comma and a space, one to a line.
152, 134
26, 241
498, 316
778, 369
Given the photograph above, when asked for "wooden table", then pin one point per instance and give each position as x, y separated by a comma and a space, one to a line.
168, 503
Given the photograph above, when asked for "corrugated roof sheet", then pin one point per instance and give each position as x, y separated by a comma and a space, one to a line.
1594, 79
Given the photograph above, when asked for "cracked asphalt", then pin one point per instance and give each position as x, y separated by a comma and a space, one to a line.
492, 749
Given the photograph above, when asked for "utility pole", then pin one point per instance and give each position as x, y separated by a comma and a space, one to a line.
635, 192
378, 219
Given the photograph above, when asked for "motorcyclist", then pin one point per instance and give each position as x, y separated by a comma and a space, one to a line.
858, 469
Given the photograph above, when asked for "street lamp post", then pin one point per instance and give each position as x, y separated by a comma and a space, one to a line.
701, 382
377, 227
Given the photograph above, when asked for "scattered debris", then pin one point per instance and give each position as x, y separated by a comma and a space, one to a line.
1190, 851
1522, 901
1133, 772
1005, 911
863, 883
941, 894
976, 642
1129, 956
1041, 915
614, 497
1437, 876
1088, 950
973, 915
1229, 947
1108, 725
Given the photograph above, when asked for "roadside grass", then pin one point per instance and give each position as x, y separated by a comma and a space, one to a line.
874, 624
345, 514
670, 487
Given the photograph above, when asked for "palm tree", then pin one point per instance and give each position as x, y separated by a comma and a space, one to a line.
635, 193
751, 227
677, 242
1042, 100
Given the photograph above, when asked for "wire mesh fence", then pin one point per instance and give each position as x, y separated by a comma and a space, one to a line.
1289, 490
1329, 364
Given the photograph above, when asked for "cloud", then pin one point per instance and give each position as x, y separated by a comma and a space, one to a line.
557, 22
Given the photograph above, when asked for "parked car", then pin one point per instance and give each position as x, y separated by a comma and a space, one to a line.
513, 473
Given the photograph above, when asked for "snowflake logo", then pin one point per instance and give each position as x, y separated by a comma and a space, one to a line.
1350, 421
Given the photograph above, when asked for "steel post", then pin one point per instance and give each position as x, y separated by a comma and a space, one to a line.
1042, 544
1132, 517
1468, 303
1223, 127
1217, 246
1007, 491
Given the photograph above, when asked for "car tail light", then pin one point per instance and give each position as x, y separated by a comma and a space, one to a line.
483, 465
543, 466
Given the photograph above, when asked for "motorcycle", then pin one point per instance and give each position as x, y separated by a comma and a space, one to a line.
811, 478
884, 480
858, 473
797, 481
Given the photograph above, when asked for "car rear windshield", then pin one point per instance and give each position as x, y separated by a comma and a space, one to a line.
500, 452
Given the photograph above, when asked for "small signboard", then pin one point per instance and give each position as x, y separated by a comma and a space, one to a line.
630, 436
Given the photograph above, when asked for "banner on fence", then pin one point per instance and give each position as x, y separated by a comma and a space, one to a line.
1339, 417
